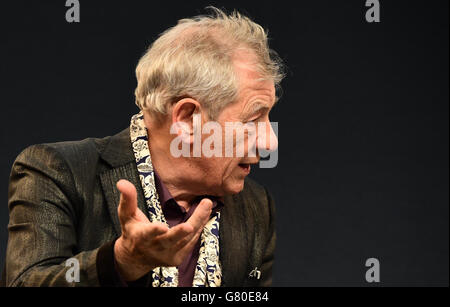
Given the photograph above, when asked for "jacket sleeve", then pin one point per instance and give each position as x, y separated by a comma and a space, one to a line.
269, 253
42, 225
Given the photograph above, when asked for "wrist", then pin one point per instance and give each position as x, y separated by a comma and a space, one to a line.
128, 266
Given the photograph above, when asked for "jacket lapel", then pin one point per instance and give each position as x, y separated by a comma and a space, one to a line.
119, 155
234, 247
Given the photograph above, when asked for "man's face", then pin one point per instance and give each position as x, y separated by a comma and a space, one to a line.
225, 175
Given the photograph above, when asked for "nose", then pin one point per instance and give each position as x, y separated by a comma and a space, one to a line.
267, 139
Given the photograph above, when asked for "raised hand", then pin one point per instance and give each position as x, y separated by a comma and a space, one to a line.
143, 245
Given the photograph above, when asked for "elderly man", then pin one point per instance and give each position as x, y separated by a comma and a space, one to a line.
125, 210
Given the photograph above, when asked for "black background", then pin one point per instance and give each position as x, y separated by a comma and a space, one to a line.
363, 121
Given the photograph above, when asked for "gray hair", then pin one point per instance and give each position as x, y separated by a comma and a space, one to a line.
195, 59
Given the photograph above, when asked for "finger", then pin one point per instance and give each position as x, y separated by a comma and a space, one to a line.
128, 200
188, 232
155, 229
201, 214
176, 234
187, 244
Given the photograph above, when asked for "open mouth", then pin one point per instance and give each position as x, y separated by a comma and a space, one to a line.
245, 167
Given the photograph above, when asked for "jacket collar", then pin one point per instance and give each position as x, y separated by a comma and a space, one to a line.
117, 151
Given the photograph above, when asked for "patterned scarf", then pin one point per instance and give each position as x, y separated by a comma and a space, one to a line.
208, 272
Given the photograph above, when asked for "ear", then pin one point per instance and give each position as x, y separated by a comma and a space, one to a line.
183, 117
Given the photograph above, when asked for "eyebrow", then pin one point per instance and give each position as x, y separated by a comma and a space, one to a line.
255, 108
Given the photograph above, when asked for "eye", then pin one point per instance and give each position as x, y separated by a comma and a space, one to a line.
254, 119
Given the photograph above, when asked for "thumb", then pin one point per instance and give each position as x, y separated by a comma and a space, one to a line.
128, 200
201, 214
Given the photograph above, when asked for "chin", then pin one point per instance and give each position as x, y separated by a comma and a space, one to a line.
234, 187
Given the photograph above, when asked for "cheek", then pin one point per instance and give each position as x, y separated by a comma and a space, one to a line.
225, 167
234, 175
233, 163
234, 183
219, 168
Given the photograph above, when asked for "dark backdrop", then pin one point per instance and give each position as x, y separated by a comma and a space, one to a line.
363, 122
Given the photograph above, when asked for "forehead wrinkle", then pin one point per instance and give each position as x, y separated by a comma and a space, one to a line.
257, 91
253, 108
260, 91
